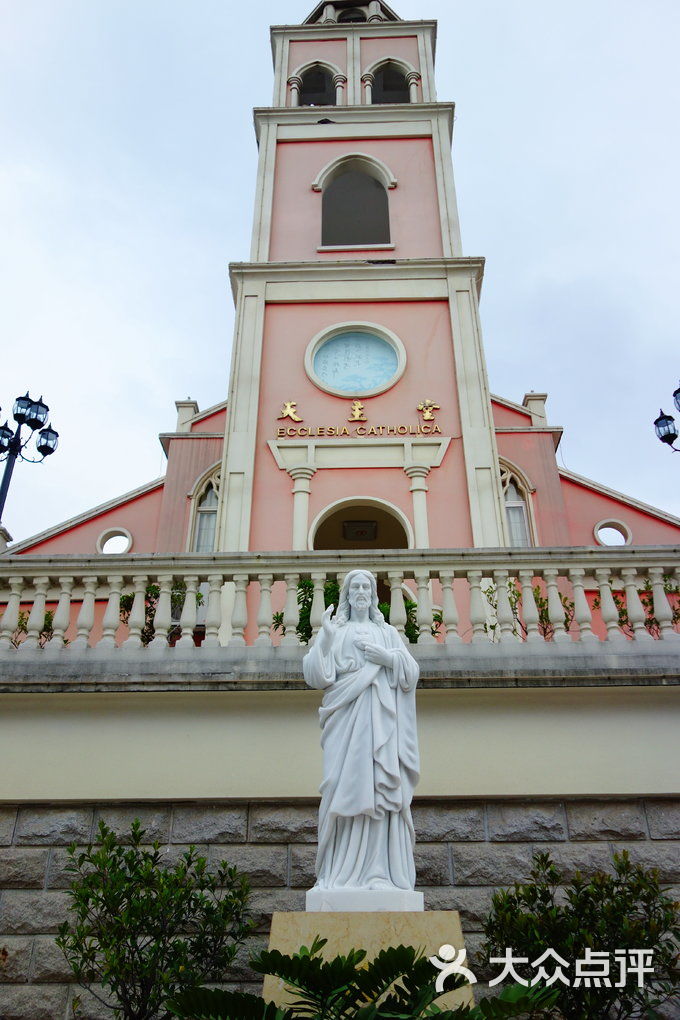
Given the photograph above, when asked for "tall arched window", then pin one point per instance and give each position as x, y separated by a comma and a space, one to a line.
317, 87
390, 85
205, 520
516, 509
355, 210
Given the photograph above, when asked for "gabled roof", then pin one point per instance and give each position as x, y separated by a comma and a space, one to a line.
387, 12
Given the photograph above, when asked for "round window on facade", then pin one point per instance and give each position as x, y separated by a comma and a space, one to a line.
612, 532
355, 360
114, 541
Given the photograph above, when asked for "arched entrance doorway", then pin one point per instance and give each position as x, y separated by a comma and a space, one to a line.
361, 524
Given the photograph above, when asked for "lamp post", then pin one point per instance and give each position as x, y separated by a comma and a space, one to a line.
33, 414
665, 425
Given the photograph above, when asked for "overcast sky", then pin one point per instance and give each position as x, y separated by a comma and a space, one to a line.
127, 170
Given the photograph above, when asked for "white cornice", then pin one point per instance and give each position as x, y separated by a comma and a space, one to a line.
88, 515
342, 116
357, 269
222, 406
345, 28
165, 438
511, 404
637, 504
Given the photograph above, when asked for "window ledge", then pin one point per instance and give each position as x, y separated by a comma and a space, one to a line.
356, 247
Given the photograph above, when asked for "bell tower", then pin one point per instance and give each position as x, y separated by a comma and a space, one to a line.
359, 414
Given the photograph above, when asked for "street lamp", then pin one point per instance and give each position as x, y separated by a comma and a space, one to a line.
33, 414
665, 424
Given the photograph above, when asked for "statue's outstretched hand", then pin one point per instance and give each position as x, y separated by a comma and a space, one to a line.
327, 632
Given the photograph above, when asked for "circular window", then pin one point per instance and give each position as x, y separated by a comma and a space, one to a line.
355, 360
114, 541
612, 533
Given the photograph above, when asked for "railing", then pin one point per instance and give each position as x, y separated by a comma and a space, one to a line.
63, 606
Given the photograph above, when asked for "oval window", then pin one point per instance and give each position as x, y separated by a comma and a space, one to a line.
356, 364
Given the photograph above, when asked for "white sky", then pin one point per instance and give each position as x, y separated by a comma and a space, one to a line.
127, 170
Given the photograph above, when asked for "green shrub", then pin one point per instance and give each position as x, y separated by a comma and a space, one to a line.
623, 910
144, 930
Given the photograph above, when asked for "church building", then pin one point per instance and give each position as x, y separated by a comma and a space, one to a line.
358, 430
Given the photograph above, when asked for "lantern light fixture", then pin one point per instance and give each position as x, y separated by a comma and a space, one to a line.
33, 414
665, 427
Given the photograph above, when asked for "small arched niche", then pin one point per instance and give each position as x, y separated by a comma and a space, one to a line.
317, 88
352, 14
390, 85
360, 525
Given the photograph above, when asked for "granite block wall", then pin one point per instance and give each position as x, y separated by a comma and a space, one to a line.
465, 850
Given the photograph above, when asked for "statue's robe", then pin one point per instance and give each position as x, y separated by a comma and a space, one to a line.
371, 764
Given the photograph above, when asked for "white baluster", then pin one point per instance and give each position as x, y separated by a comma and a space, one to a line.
424, 615
291, 613
85, 621
504, 614
162, 619
555, 607
62, 616
111, 621
10, 618
634, 607
213, 616
188, 616
137, 618
397, 607
608, 608
36, 618
449, 608
662, 609
582, 611
264, 615
529, 608
239, 615
477, 607
318, 603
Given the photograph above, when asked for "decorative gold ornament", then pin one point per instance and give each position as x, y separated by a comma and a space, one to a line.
357, 412
289, 410
427, 409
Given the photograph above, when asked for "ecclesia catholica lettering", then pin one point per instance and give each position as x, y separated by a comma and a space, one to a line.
357, 430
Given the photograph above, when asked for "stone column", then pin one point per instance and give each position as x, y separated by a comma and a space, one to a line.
367, 81
413, 79
418, 473
295, 86
339, 80
328, 14
374, 12
301, 475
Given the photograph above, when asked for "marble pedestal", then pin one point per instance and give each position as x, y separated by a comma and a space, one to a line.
352, 901
370, 931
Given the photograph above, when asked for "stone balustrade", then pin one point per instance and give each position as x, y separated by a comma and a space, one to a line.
589, 597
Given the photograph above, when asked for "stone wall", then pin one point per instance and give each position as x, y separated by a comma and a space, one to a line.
465, 849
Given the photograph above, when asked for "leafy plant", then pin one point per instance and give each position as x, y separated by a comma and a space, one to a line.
151, 597
144, 930
305, 597
545, 627
46, 631
399, 984
647, 599
623, 910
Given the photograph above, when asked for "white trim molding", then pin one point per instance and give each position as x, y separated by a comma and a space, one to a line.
370, 165
370, 329
616, 525
114, 532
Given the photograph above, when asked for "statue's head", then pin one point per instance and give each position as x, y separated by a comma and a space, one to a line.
359, 585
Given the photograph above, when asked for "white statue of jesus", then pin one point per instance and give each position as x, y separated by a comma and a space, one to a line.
370, 754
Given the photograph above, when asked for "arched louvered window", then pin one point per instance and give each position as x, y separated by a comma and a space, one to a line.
355, 210
390, 85
516, 509
317, 87
205, 520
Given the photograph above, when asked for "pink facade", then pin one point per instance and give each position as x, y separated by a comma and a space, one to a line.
308, 51
415, 227
403, 47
